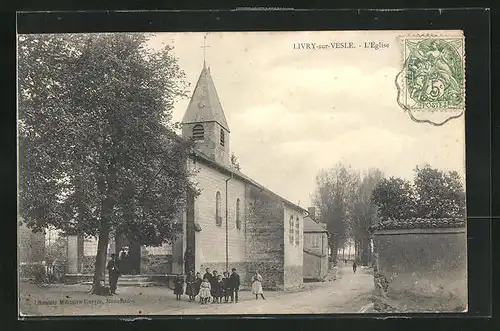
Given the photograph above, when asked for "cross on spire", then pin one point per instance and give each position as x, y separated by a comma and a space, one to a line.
204, 48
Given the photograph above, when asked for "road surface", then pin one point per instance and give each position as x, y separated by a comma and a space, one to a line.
350, 293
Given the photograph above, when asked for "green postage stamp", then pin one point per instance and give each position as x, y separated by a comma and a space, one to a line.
431, 84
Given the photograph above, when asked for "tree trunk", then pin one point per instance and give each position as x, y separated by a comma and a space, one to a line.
102, 247
101, 257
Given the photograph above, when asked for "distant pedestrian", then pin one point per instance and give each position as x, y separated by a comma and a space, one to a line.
234, 285
114, 273
178, 286
205, 291
354, 266
257, 286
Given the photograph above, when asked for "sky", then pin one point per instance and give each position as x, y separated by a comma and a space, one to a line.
293, 112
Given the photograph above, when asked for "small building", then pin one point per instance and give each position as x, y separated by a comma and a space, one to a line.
315, 248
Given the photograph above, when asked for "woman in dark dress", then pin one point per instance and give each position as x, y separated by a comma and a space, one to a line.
178, 286
220, 289
190, 284
197, 285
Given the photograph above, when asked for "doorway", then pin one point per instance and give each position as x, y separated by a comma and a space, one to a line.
131, 264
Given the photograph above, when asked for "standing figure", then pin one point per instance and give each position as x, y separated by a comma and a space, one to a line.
178, 286
205, 291
197, 285
188, 261
214, 284
114, 273
226, 287
208, 275
257, 286
124, 260
220, 289
234, 285
190, 285
354, 266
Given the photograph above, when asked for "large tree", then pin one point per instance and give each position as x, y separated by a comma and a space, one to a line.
432, 194
394, 198
97, 153
438, 193
334, 192
364, 213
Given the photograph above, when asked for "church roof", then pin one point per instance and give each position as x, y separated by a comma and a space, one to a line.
238, 174
205, 105
311, 225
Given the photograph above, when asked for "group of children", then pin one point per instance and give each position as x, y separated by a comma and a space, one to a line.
212, 287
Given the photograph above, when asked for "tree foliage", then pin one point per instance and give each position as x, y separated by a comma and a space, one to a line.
364, 213
97, 152
394, 198
432, 194
335, 189
235, 163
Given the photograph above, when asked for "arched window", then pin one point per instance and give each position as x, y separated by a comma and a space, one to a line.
297, 231
218, 217
222, 137
290, 230
238, 220
198, 132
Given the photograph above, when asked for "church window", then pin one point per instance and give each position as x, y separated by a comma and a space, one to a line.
218, 216
221, 137
297, 231
238, 219
290, 230
198, 132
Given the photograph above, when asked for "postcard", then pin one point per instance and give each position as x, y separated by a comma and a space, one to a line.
312, 172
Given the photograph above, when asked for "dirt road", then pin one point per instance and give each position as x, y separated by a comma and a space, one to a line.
348, 294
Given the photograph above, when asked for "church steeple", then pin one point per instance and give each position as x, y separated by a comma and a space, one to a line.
205, 105
204, 120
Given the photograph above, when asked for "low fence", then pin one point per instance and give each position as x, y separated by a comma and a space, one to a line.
43, 272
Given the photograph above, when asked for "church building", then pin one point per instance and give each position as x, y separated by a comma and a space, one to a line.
234, 223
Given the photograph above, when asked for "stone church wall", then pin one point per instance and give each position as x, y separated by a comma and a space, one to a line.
265, 238
294, 247
210, 241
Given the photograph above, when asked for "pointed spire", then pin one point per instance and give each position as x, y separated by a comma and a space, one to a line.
205, 105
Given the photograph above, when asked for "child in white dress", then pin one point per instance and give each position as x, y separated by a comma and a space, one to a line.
204, 291
257, 286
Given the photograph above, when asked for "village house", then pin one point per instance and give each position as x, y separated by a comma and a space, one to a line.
315, 247
234, 222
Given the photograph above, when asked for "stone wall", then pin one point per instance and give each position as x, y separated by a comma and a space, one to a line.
315, 265
427, 265
211, 240
265, 238
156, 264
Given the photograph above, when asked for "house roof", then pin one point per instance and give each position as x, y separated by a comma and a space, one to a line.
205, 105
419, 223
311, 225
238, 174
